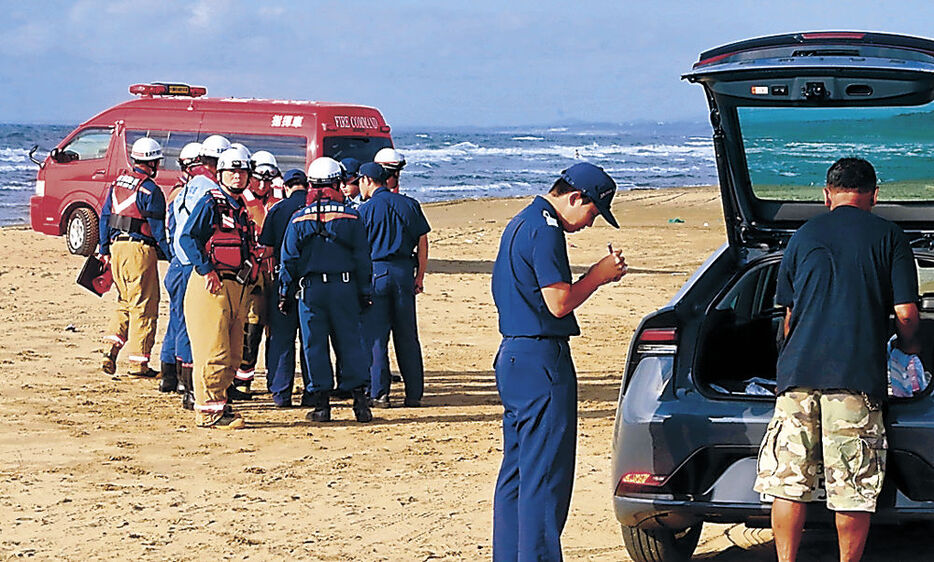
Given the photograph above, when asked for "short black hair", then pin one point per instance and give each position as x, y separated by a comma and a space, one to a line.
852, 174
561, 187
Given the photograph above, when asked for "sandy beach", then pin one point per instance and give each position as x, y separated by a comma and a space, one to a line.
100, 467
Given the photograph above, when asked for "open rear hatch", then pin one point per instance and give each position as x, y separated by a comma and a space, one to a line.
785, 107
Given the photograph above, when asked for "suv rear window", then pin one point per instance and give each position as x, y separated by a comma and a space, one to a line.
363, 149
788, 149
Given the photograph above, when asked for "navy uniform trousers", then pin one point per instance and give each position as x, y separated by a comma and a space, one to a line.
538, 388
176, 346
394, 309
280, 351
331, 308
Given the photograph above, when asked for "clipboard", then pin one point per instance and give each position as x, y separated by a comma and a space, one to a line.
94, 276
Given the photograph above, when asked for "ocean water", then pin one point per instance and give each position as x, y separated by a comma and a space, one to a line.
445, 164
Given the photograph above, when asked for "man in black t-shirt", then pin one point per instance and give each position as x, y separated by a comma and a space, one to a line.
841, 276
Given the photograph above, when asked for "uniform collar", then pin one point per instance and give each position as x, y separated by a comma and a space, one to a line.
298, 194
380, 189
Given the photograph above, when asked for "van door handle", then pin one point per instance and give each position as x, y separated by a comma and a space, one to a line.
98, 173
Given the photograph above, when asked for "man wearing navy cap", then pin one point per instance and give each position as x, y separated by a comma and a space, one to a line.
398, 235
280, 344
535, 375
350, 183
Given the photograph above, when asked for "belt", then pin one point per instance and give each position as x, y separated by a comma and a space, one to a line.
537, 338
125, 238
343, 277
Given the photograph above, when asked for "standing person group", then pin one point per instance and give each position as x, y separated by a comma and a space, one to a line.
242, 255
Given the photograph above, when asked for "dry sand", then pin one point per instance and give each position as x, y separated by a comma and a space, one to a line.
100, 467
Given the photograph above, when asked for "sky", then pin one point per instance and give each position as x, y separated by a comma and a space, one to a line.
423, 63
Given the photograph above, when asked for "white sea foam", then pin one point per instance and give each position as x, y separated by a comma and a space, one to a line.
477, 187
14, 155
469, 150
528, 138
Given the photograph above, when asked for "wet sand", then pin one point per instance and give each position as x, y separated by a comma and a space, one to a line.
100, 467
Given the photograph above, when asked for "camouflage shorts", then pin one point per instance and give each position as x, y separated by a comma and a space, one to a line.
834, 434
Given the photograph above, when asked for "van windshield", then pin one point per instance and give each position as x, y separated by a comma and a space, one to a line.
788, 149
363, 149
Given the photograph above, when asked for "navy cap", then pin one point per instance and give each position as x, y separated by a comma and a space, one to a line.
596, 184
373, 171
294, 176
351, 166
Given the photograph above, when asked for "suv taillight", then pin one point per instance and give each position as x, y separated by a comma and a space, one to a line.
640, 482
658, 341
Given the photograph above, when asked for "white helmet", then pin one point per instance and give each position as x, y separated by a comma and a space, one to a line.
240, 145
233, 159
264, 164
390, 159
214, 145
146, 150
189, 152
324, 171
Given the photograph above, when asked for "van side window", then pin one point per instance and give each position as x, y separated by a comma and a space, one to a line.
89, 144
290, 152
171, 141
363, 149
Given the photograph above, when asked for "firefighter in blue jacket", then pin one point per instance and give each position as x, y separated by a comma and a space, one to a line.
218, 238
325, 257
132, 239
535, 298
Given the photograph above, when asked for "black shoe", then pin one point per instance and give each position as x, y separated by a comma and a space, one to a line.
149, 373
412, 403
308, 400
361, 406
169, 380
281, 401
322, 405
342, 394
185, 380
380, 401
242, 386
395, 378
235, 394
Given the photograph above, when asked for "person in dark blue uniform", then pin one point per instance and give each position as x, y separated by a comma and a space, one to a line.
535, 376
398, 235
350, 183
325, 255
280, 343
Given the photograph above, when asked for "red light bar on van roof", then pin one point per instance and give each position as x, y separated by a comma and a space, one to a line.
160, 89
833, 35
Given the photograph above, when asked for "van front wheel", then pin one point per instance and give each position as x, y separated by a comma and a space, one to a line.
661, 545
81, 234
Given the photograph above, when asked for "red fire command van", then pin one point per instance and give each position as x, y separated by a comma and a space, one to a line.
73, 180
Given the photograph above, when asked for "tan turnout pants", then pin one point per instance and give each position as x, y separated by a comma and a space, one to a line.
215, 327
136, 277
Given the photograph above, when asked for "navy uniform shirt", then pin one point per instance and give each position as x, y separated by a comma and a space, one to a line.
842, 274
532, 254
394, 223
151, 203
325, 238
199, 227
278, 219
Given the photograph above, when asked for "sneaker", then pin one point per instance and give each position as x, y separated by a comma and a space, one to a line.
228, 420
149, 373
380, 401
234, 393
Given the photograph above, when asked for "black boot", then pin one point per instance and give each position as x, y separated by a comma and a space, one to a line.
252, 336
180, 387
361, 405
169, 380
322, 411
188, 398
